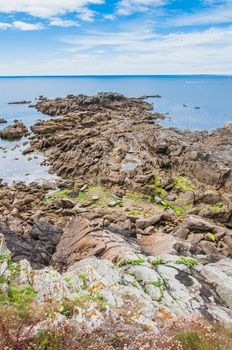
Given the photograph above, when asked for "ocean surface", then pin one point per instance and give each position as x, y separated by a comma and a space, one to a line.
191, 102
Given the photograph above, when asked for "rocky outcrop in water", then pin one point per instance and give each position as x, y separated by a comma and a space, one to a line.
115, 140
15, 131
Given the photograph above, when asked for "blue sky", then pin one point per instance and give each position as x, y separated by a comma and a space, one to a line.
94, 37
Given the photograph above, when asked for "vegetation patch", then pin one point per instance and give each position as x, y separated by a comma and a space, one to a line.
64, 193
84, 281
183, 183
130, 262
134, 213
157, 261
191, 340
187, 261
160, 285
220, 207
155, 181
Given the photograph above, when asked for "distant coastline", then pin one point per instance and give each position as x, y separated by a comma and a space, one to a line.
122, 76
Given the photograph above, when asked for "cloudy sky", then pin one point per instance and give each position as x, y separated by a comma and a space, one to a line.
94, 37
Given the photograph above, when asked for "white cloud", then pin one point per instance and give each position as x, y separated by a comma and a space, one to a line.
144, 40
26, 26
127, 7
4, 25
86, 14
144, 52
45, 8
63, 23
23, 26
215, 14
110, 17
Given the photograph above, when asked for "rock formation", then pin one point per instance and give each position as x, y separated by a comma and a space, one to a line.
15, 131
139, 221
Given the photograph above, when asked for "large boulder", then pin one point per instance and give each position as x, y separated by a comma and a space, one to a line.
17, 130
38, 249
82, 240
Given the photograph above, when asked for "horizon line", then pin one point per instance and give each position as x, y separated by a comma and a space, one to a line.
115, 75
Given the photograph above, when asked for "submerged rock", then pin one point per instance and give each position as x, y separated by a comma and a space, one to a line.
19, 102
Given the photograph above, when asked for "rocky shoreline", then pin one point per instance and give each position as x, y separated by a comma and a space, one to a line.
141, 211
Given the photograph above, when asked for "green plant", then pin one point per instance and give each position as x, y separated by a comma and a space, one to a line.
183, 183
155, 181
21, 296
191, 340
176, 209
184, 205
160, 285
5, 257
51, 339
134, 284
187, 261
217, 208
157, 261
161, 192
84, 281
132, 262
58, 195
134, 213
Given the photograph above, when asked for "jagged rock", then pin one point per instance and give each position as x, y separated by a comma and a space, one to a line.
197, 224
27, 151
48, 185
219, 275
168, 289
14, 131
81, 240
208, 248
38, 249
144, 223
159, 243
66, 203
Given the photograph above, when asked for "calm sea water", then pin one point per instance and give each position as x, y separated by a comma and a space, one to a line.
193, 102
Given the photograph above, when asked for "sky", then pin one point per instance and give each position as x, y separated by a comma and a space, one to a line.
117, 37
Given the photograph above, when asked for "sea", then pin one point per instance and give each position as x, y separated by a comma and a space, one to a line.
189, 102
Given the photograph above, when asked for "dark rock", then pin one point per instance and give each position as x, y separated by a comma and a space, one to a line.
38, 249
184, 278
27, 151
19, 102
